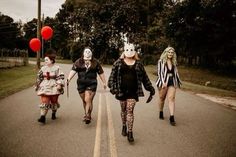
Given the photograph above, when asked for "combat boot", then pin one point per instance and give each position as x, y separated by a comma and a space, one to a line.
42, 119
161, 116
124, 130
130, 137
54, 116
172, 120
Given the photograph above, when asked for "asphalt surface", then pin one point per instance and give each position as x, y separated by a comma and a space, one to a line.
204, 128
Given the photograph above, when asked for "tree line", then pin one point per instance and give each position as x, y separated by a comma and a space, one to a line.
202, 31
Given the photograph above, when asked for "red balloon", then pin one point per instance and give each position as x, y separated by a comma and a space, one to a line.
35, 44
46, 32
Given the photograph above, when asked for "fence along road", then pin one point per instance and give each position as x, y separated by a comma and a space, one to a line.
203, 128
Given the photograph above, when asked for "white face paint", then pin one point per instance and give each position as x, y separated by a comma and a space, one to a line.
47, 61
129, 50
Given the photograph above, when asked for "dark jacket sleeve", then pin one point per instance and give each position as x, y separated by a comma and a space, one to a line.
112, 80
146, 81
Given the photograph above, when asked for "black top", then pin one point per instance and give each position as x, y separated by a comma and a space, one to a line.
128, 78
87, 75
171, 75
170, 70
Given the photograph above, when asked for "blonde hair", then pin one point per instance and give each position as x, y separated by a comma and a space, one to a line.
135, 57
164, 55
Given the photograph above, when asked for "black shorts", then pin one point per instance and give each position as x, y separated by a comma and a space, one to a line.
82, 87
128, 95
170, 82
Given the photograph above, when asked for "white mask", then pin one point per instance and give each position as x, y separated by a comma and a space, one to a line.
87, 54
129, 50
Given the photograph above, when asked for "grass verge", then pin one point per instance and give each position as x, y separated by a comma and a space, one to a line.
67, 61
15, 79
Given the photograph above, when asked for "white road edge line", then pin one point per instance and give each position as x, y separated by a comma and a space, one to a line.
111, 132
97, 145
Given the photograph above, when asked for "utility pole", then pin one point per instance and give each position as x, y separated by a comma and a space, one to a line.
38, 31
42, 38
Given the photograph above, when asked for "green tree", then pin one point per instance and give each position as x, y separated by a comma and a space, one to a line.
204, 30
10, 33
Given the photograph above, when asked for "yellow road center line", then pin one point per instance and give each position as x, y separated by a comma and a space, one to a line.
111, 132
97, 145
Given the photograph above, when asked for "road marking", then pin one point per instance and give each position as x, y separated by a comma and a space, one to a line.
111, 132
96, 151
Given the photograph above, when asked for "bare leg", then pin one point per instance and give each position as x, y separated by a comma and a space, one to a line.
89, 95
82, 95
162, 97
171, 99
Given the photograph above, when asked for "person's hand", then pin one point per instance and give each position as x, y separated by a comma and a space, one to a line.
149, 98
36, 87
59, 87
152, 92
164, 85
104, 86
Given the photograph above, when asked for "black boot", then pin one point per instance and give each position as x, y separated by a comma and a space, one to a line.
172, 120
87, 119
130, 137
54, 116
124, 130
42, 119
161, 116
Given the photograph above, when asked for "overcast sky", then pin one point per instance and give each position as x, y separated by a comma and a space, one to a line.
26, 10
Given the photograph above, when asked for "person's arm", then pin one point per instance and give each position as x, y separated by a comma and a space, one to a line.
146, 81
178, 78
160, 73
101, 74
102, 77
71, 75
112, 80
60, 79
39, 79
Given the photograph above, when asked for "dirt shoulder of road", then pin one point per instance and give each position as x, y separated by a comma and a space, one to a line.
224, 97
229, 102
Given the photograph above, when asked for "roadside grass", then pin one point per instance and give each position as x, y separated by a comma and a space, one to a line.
16, 79
194, 80
63, 61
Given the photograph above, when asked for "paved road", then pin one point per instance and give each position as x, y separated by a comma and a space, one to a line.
204, 128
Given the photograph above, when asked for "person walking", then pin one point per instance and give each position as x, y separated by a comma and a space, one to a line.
49, 85
125, 82
167, 82
87, 68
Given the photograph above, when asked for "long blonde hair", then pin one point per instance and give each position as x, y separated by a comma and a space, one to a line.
164, 55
